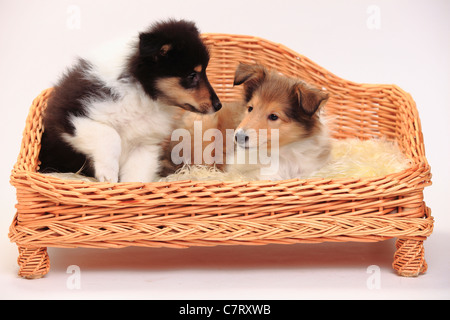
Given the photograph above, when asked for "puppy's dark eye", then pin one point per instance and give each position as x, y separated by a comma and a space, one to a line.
191, 80
250, 109
273, 117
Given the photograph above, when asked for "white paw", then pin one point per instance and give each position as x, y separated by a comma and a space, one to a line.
107, 173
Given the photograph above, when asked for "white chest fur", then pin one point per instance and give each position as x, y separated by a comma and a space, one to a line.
122, 134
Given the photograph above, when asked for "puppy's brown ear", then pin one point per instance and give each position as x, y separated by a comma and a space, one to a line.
251, 75
248, 72
310, 98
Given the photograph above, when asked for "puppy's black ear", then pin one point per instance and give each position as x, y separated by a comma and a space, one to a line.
150, 46
251, 75
309, 98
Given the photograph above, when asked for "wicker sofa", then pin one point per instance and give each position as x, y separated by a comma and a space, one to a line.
52, 212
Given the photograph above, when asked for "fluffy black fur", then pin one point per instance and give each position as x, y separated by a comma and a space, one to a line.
186, 52
65, 101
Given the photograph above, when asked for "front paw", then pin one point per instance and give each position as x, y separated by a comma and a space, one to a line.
107, 173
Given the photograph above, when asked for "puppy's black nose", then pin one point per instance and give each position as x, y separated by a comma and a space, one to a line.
241, 137
217, 105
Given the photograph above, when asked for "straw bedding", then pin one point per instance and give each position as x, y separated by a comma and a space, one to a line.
350, 158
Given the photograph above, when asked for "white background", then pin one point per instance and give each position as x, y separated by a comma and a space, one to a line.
410, 48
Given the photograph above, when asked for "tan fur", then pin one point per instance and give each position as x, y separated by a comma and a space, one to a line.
196, 100
164, 49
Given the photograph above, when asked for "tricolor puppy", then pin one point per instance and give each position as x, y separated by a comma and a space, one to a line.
107, 120
281, 122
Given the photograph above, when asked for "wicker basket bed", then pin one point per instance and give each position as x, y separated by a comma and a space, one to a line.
52, 212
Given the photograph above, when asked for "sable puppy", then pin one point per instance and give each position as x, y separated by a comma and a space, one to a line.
277, 116
108, 120
289, 108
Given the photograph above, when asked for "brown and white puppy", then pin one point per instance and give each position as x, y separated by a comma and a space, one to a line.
281, 127
274, 133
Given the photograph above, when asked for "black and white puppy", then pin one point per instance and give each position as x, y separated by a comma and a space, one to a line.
108, 121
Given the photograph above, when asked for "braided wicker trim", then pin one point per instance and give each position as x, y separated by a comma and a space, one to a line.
213, 231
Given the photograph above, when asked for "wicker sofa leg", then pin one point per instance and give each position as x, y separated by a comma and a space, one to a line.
33, 262
409, 259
